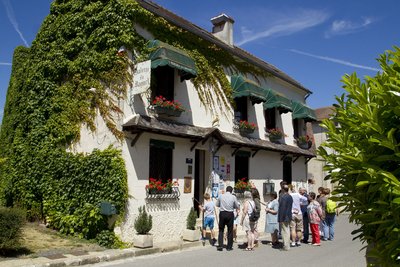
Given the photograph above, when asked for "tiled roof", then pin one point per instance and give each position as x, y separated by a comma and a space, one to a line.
324, 113
140, 123
236, 51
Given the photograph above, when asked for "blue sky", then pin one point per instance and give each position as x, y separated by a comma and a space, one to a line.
315, 42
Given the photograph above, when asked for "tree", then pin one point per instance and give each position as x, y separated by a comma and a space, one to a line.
365, 135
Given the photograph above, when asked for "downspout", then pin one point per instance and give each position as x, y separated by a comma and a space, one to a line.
307, 95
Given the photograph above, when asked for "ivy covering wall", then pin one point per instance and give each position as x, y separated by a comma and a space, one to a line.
48, 101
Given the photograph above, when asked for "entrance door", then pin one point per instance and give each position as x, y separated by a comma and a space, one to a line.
199, 178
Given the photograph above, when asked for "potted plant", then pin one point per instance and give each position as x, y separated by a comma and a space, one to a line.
190, 233
143, 224
275, 134
304, 141
170, 108
246, 127
242, 185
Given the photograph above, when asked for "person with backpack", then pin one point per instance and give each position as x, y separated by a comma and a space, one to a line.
248, 219
330, 216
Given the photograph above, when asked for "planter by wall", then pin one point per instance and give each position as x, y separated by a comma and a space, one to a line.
143, 241
191, 235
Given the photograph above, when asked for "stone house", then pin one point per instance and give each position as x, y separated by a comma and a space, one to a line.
187, 146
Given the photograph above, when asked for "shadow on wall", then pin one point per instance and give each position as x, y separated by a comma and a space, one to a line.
154, 205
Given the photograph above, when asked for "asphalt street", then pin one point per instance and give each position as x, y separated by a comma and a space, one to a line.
341, 252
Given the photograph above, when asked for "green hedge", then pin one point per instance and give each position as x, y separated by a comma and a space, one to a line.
11, 223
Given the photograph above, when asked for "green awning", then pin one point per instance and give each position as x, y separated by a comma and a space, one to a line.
245, 87
162, 144
275, 100
301, 111
167, 55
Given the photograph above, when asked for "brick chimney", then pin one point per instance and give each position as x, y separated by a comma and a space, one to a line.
223, 28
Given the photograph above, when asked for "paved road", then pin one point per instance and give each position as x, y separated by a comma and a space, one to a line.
342, 252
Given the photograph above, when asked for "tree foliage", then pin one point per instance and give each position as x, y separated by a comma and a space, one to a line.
364, 135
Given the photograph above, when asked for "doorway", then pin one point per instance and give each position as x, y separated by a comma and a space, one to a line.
199, 179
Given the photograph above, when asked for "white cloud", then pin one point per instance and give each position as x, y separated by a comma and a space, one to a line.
343, 27
334, 60
5, 64
286, 24
13, 20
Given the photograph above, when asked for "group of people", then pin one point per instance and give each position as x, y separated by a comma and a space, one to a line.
290, 214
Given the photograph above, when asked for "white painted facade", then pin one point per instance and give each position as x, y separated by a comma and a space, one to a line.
169, 216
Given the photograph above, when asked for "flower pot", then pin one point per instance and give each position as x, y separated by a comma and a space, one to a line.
305, 145
246, 131
143, 241
167, 111
275, 139
191, 235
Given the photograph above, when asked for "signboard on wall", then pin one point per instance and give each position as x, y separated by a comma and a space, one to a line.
141, 77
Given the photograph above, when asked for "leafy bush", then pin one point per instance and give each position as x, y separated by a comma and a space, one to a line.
11, 223
191, 219
108, 239
366, 160
144, 222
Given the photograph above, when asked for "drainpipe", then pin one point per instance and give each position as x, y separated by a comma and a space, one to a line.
307, 95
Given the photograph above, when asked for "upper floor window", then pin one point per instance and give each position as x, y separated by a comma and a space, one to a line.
270, 119
162, 82
297, 128
241, 108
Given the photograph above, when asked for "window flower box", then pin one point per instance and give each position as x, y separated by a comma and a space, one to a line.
242, 185
275, 135
304, 141
162, 106
246, 127
157, 189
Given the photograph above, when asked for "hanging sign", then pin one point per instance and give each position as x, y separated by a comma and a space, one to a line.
141, 77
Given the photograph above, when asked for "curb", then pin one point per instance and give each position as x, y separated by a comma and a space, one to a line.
104, 256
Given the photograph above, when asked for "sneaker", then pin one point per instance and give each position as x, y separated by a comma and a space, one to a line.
298, 244
213, 241
219, 248
292, 245
316, 244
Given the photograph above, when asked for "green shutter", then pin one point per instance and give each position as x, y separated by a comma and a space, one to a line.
165, 54
162, 144
301, 111
245, 87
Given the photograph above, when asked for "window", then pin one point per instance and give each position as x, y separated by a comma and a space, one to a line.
160, 166
296, 128
242, 165
241, 108
270, 121
162, 82
287, 169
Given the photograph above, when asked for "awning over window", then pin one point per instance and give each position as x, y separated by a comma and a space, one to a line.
166, 54
245, 87
301, 111
275, 100
162, 144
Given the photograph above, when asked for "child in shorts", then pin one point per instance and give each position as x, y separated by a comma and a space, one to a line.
209, 217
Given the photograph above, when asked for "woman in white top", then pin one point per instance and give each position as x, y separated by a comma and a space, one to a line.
248, 226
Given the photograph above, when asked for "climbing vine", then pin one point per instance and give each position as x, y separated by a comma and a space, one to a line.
71, 74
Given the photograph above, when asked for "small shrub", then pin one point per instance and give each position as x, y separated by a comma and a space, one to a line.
191, 220
108, 239
11, 222
144, 222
